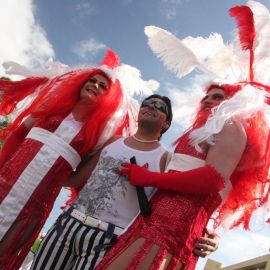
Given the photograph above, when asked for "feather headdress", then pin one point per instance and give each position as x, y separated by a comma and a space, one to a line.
18, 96
117, 114
231, 62
241, 65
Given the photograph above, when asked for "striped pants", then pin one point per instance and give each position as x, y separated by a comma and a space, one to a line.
72, 247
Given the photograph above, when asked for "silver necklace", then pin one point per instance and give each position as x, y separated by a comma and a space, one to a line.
143, 141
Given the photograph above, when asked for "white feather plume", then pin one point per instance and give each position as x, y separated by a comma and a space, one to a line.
210, 55
173, 53
51, 69
204, 47
222, 61
132, 82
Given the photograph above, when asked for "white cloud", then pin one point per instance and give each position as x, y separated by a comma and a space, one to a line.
186, 100
169, 12
238, 246
22, 39
184, 104
88, 47
169, 8
85, 8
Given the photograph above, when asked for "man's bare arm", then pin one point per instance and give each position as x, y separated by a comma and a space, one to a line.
85, 169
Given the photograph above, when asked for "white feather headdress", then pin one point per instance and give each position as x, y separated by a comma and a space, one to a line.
245, 58
129, 77
223, 61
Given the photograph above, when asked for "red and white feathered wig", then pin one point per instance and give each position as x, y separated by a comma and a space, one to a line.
59, 94
245, 60
245, 102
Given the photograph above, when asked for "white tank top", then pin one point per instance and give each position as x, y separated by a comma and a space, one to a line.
110, 197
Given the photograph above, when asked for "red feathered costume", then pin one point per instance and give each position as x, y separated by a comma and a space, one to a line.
32, 176
178, 219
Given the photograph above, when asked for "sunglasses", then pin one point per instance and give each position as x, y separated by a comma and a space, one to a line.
158, 105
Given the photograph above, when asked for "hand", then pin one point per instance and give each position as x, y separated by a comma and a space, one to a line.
125, 170
207, 244
134, 173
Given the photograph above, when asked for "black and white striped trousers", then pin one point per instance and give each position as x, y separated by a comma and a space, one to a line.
70, 248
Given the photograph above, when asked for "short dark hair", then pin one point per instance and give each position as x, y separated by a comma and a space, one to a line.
167, 101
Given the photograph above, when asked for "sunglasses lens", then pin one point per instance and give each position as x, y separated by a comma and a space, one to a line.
147, 102
158, 105
161, 107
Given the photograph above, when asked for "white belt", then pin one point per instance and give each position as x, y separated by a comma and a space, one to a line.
93, 222
57, 144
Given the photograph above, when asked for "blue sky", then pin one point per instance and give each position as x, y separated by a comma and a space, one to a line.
77, 32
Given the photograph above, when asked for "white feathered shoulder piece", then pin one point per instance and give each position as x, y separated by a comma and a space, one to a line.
170, 50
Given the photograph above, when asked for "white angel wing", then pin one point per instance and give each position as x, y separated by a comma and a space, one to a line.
173, 53
215, 57
204, 47
209, 55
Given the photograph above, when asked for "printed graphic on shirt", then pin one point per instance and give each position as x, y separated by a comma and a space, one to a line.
103, 187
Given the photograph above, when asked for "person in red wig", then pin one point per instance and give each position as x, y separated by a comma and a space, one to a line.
220, 163
107, 203
197, 182
65, 117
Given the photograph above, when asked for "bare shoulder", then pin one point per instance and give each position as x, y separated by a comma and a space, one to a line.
233, 132
228, 148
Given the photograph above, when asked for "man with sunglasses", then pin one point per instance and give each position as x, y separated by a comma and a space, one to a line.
157, 104
108, 203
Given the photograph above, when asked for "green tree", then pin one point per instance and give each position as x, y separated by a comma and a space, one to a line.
5, 78
3, 120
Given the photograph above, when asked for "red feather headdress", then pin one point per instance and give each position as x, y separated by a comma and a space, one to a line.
246, 30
